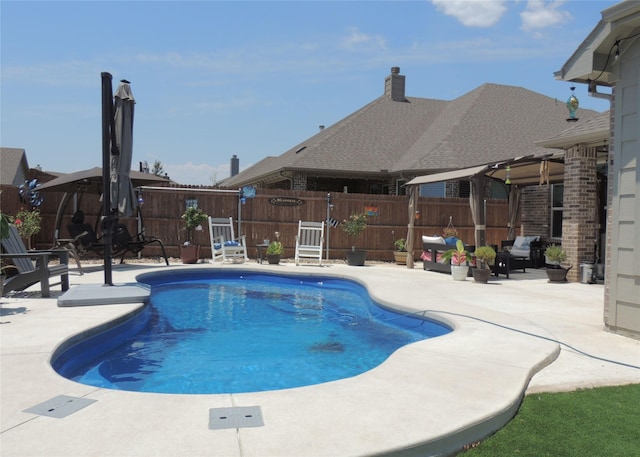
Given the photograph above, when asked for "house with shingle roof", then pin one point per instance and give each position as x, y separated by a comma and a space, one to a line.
609, 57
14, 168
395, 138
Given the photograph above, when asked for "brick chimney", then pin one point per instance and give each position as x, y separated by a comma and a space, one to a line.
235, 165
394, 85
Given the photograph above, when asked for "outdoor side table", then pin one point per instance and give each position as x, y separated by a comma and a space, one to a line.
506, 262
259, 248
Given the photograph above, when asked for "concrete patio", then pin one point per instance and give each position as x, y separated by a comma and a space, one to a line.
428, 398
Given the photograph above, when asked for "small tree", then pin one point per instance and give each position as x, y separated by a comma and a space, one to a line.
193, 217
28, 224
158, 168
355, 225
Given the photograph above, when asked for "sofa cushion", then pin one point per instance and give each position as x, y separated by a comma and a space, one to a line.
227, 244
524, 243
520, 252
432, 239
427, 257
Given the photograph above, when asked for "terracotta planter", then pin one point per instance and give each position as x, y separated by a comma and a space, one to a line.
190, 253
356, 257
400, 257
459, 272
481, 274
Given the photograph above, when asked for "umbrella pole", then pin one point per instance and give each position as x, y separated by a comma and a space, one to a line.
107, 116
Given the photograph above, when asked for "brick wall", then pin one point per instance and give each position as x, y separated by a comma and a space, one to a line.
535, 213
579, 218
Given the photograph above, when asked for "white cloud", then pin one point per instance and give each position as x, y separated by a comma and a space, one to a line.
541, 14
473, 13
356, 40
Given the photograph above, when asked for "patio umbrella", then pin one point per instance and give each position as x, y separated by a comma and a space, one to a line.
122, 194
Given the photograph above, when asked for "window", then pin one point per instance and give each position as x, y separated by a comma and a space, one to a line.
557, 196
434, 189
464, 188
400, 189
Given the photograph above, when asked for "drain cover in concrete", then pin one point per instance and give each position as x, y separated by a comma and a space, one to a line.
60, 406
236, 417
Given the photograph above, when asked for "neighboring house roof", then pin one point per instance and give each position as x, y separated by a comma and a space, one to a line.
411, 136
360, 144
14, 169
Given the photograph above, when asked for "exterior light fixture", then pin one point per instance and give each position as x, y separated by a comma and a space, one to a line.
572, 106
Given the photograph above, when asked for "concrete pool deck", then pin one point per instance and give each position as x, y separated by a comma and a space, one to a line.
428, 398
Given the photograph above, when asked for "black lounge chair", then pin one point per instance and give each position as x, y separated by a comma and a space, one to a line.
26, 271
123, 242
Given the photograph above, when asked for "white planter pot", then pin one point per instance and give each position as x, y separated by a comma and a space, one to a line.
459, 272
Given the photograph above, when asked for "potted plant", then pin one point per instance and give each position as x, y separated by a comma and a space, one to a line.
28, 224
274, 251
555, 255
193, 218
353, 226
459, 261
485, 258
449, 233
400, 253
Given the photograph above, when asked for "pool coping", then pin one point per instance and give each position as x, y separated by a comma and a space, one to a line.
429, 398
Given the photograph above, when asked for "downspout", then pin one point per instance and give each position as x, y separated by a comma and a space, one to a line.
592, 90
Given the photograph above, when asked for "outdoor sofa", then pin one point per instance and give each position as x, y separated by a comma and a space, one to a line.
432, 249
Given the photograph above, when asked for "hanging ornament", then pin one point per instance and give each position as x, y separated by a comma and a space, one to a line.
572, 106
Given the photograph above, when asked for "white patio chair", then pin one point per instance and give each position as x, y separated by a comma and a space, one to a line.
224, 244
309, 241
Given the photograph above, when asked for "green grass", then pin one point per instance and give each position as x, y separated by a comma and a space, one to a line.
594, 422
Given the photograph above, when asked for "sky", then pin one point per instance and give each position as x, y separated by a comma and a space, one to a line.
213, 79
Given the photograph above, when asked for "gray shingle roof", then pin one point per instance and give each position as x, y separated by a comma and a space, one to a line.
594, 129
14, 169
491, 123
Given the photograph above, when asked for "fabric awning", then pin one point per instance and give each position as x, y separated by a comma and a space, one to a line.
452, 175
523, 171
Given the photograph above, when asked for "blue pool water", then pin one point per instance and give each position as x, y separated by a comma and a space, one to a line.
234, 331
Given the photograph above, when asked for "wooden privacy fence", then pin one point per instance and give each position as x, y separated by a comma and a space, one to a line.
273, 210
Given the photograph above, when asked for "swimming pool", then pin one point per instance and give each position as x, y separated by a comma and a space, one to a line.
214, 331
